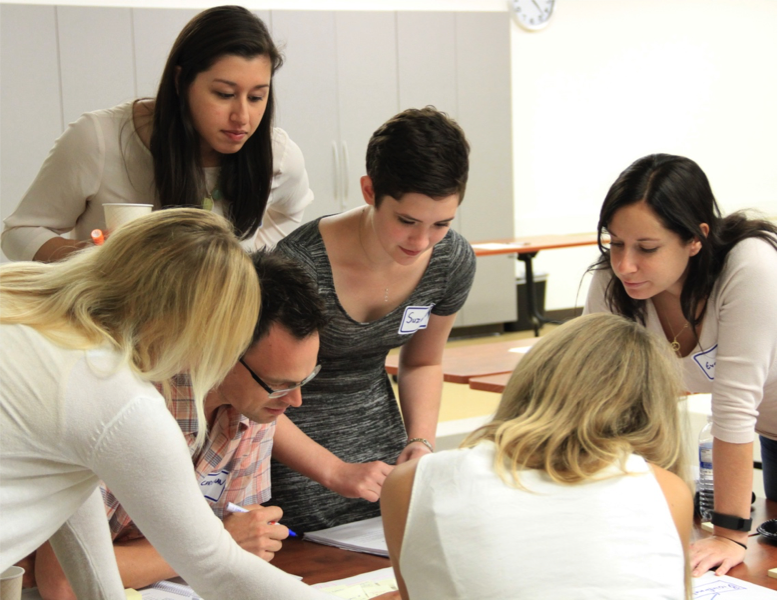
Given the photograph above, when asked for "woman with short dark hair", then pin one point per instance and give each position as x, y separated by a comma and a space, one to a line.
391, 273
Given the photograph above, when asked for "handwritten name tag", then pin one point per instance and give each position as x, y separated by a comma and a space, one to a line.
707, 362
212, 485
414, 319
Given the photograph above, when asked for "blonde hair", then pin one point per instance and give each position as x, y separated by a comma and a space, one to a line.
586, 396
172, 292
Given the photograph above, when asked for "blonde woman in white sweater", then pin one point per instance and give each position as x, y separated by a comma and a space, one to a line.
572, 491
82, 341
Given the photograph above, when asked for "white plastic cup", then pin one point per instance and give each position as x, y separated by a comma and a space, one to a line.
11, 583
118, 213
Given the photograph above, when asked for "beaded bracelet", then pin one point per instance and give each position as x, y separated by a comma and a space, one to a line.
423, 441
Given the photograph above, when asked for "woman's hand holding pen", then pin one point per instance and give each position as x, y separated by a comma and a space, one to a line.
359, 480
257, 530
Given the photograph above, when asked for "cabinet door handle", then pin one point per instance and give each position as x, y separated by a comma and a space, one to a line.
337, 175
344, 187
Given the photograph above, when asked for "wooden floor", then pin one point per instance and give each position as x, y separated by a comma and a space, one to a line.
459, 400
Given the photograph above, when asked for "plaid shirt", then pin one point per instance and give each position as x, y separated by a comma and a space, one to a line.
235, 453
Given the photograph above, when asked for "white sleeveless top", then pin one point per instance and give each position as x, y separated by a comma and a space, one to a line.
470, 536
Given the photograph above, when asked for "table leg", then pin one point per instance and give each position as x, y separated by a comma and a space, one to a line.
537, 318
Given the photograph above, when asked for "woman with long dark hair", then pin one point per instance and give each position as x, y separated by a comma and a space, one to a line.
207, 140
708, 285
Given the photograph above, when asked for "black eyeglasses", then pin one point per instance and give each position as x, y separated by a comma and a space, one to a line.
274, 394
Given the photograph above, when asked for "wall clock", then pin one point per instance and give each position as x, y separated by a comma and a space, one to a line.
531, 15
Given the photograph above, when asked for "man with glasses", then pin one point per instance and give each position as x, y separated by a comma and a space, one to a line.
233, 466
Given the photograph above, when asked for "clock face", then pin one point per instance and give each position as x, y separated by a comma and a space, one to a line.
532, 14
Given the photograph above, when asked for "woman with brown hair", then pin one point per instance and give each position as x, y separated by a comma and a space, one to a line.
207, 140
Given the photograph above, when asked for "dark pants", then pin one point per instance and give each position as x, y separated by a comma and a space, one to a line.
768, 466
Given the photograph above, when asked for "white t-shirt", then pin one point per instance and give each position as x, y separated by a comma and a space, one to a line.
735, 360
101, 159
471, 536
71, 418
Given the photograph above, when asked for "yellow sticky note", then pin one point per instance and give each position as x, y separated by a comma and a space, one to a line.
771, 573
131, 593
707, 526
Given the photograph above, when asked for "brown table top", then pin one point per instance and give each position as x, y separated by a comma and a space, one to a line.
531, 244
495, 383
461, 363
320, 563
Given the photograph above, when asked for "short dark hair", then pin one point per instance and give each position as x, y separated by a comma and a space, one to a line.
418, 150
245, 176
289, 297
678, 192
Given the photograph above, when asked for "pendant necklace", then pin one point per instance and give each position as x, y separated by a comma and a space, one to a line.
676, 346
213, 196
364, 250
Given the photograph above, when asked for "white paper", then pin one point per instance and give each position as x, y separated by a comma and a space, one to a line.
723, 588
499, 246
361, 586
165, 589
366, 536
520, 349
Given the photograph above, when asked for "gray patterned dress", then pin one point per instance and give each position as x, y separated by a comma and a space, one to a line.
349, 408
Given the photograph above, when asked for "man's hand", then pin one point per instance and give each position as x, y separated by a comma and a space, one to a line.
715, 551
412, 451
360, 480
257, 531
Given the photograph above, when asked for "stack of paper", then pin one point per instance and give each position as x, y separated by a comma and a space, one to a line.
366, 536
362, 586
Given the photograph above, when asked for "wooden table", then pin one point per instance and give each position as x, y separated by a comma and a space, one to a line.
461, 363
495, 383
525, 249
320, 563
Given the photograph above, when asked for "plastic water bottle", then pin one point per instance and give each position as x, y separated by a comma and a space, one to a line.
705, 483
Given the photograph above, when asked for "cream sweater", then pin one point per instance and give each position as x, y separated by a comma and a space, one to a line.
100, 159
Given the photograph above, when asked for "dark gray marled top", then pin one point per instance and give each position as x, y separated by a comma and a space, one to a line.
349, 408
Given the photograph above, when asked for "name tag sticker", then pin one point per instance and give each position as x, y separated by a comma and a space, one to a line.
212, 485
707, 362
415, 318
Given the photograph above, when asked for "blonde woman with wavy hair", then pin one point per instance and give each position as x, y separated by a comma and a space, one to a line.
82, 342
574, 490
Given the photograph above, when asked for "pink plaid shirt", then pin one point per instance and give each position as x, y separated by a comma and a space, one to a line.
233, 466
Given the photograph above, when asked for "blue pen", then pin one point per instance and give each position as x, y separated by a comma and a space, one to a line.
232, 508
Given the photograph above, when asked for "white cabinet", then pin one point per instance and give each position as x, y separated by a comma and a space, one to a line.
97, 66
348, 72
30, 101
339, 83
153, 32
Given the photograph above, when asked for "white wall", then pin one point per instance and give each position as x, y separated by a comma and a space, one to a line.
610, 81
607, 82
